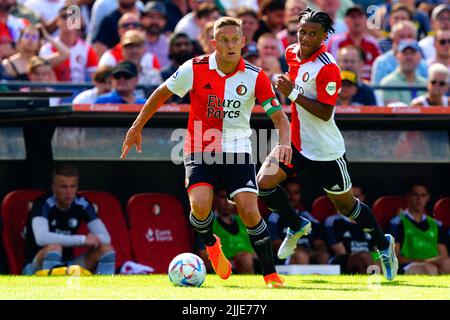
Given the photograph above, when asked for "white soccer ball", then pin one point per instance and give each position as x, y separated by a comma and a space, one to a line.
187, 270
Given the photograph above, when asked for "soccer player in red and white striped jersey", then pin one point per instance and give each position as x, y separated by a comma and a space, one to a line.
223, 89
313, 84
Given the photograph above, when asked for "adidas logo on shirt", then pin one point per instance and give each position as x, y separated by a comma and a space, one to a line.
336, 187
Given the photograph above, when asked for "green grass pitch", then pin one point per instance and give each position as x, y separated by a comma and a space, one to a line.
237, 287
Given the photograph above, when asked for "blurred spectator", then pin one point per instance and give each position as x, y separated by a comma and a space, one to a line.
53, 229
193, 23
250, 25
231, 7
408, 56
181, 50
420, 18
442, 45
82, 61
129, 21
292, 8
387, 62
348, 90
289, 35
355, 19
311, 249
28, 45
271, 59
10, 25
40, 70
352, 58
124, 81
132, 43
358, 192
107, 35
272, 17
332, 7
343, 7
351, 247
205, 38
437, 86
20, 11
6, 46
440, 20
47, 11
102, 83
420, 239
176, 10
100, 9
400, 12
252, 55
228, 226
154, 19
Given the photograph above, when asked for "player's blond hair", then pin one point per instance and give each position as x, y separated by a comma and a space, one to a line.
226, 21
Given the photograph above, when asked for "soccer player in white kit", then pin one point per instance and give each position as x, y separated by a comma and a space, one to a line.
223, 89
313, 84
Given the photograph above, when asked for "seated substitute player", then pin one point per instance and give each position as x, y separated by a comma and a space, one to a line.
223, 89
311, 248
232, 233
313, 83
421, 240
51, 232
351, 246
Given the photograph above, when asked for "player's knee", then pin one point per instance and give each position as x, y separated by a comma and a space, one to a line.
54, 247
249, 216
265, 181
431, 269
201, 206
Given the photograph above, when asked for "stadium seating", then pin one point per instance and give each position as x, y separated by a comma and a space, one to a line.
110, 212
322, 208
386, 207
16, 207
158, 228
441, 211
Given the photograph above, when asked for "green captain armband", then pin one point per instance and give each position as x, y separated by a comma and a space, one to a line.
271, 105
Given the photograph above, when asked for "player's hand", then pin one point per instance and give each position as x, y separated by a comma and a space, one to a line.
284, 153
92, 240
133, 137
284, 84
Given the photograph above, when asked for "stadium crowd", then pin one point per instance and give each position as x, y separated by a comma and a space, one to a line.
118, 45
402, 43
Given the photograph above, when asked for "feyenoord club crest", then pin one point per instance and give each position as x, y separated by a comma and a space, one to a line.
241, 90
305, 77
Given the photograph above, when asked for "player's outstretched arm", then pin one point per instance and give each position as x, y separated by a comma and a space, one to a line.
281, 122
134, 137
320, 110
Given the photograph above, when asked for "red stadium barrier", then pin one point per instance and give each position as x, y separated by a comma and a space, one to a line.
387, 207
158, 228
322, 208
441, 211
110, 212
16, 207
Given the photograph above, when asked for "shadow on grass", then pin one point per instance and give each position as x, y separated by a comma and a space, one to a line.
397, 283
300, 287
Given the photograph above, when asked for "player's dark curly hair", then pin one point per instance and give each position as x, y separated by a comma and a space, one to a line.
320, 17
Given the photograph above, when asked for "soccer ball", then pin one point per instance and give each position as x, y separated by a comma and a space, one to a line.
187, 270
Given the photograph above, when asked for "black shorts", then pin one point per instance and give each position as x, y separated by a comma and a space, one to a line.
233, 171
332, 175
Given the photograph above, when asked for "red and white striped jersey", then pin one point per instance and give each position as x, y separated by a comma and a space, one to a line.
221, 104
317, 78
149, 73
369, 45
82, 61
13, 27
